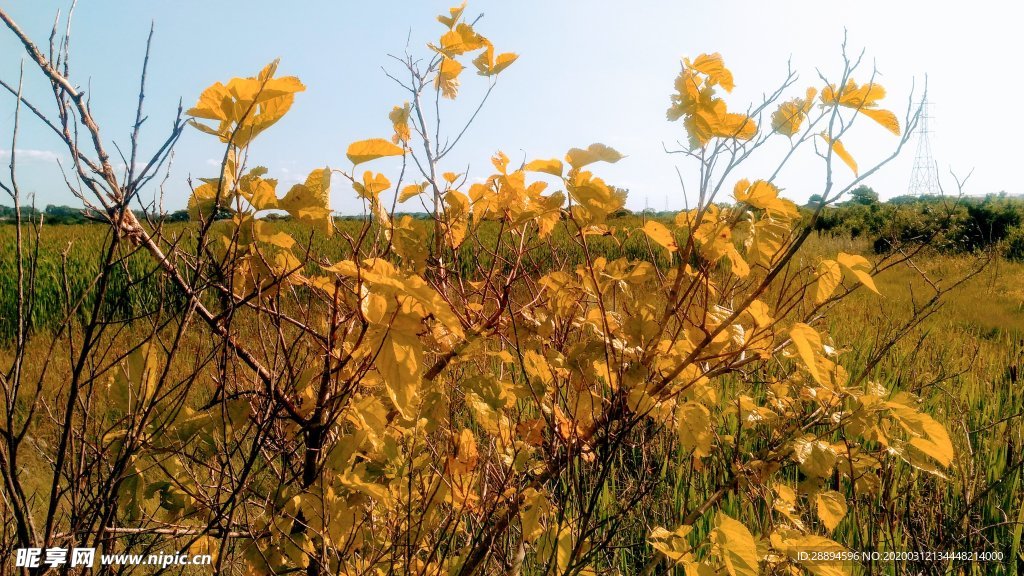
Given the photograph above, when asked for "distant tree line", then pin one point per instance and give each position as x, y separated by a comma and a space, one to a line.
954, 225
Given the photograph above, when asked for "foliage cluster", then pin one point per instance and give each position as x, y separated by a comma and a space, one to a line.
507, 387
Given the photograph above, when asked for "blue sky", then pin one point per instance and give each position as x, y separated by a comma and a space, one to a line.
598, 71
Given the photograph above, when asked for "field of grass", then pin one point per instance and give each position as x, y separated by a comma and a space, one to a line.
966, 361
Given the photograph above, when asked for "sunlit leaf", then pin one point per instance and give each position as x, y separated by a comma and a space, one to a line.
829, 277
661, 235
886, 118
713, 66
412, 190
310, 202
694, 428
447, 79
453, 17
372, 185
673, 545
578, 158
831, 508
399, 117
840, 150
860, 268
735, 546
487, 64
366, 150
816, 457
552, 166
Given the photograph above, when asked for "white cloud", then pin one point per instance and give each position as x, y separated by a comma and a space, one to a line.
31, 154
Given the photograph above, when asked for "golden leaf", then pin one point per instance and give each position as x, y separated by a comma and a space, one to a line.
673, 544
578, 158
694, 428
487, 64
411, 190
860, 268
245, 106
366, 150
311, 202
816, 457
447, 79
829, 277
831, 507
714, 68
661, 235
552, 166
399, 117
372, 185
454, 15
456, 216
735, 545
840, 151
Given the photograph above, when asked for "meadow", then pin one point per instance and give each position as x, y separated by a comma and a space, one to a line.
966, 361
530, 379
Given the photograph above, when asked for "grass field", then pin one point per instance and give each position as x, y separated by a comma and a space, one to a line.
966, 361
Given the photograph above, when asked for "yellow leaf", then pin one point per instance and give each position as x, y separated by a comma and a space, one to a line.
399, 117
860, 268
460, 40
738, 126
366, 150
713, 66
447, 79
269, 233
886, 118
661, 235
673, 545
926, 434
552, 166
456, 216
809, 348
372, 185
831, 507
761, 194
311, 202
204, 201
487, 64
535, 507
735, 545
374, 308
259, 192
466, 455
412, 190
738, 265
790, 115
840, 150
694, 428
864, 99
578, 158
455, 14
759, 313
595, 197
829, 277
816, 457
410, 243
398, 362
246, 106
852, 95
500, 162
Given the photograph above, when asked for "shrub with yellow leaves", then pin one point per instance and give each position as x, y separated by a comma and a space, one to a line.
435, 401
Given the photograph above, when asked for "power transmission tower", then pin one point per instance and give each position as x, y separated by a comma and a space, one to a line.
924, 178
